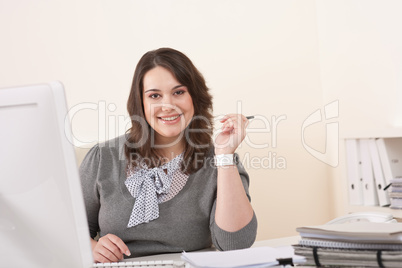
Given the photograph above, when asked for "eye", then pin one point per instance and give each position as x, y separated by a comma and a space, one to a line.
180, 92
154, 96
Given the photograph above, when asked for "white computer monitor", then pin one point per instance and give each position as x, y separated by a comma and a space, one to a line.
42, 214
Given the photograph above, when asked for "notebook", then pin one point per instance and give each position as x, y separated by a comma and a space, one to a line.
357, 232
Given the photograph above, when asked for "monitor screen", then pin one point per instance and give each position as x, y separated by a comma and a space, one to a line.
42, 213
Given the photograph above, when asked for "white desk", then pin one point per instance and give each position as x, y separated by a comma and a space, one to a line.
279, 242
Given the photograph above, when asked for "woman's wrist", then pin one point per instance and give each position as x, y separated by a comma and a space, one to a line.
224, 151
226, 160
93, 243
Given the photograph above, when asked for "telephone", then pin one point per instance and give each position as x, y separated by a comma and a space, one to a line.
364, 216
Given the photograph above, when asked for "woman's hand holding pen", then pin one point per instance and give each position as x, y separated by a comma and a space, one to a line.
233, 133
233, 208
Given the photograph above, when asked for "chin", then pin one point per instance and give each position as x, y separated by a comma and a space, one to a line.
171, 134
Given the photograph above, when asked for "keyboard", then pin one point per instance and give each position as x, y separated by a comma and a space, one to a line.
143, 264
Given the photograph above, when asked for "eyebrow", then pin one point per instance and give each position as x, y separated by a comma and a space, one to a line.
154, 89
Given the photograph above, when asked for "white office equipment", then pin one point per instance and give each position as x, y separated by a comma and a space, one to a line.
42, 215
379, 180
355, 184
369, 192
364, 217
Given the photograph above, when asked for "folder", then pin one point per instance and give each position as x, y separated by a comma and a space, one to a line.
390, 151
380, 183
355, 185
369, 192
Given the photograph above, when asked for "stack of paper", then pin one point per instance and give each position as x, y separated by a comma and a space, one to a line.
396, 193
255, 257
365, 244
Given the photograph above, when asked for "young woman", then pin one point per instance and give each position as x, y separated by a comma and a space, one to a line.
165, 186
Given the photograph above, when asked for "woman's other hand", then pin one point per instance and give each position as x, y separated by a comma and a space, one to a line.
109, 248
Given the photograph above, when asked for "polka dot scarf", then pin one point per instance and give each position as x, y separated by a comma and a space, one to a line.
144, 185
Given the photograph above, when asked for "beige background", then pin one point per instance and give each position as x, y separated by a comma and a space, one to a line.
272, 59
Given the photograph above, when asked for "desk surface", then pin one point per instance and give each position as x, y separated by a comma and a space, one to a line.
278, 242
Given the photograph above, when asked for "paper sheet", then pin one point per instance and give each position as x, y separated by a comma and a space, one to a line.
258, 257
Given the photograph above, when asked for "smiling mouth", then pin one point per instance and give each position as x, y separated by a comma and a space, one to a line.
171, 118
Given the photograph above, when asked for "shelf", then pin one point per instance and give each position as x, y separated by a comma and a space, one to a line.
397, 213
379, 133
371, 168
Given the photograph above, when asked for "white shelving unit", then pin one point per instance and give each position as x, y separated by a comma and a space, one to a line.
397, 213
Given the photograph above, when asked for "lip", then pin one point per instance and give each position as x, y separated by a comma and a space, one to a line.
170, 122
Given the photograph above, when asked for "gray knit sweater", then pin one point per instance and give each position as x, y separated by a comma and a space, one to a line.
186, 222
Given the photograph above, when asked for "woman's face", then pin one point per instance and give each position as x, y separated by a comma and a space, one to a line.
168, 106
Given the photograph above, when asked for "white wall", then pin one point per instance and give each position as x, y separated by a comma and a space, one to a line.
262, 55
361, 66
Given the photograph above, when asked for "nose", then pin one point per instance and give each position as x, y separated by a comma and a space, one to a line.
166, 108
167, 104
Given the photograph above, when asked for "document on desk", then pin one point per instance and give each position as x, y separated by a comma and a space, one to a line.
357, 232
255, 257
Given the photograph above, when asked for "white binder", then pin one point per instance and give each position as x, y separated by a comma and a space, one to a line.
355, 184
390, 151
369, 192
380, 183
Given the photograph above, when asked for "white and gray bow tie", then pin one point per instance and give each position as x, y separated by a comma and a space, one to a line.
144, 185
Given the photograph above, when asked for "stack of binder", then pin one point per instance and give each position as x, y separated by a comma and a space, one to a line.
371, 165
396, 193
358, 244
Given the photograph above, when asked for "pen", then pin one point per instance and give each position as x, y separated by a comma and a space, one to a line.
248, 117
389, 185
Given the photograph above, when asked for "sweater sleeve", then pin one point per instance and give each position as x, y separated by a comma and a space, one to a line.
88, 173
243, 238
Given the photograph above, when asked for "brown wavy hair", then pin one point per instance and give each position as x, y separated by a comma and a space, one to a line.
198, 134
